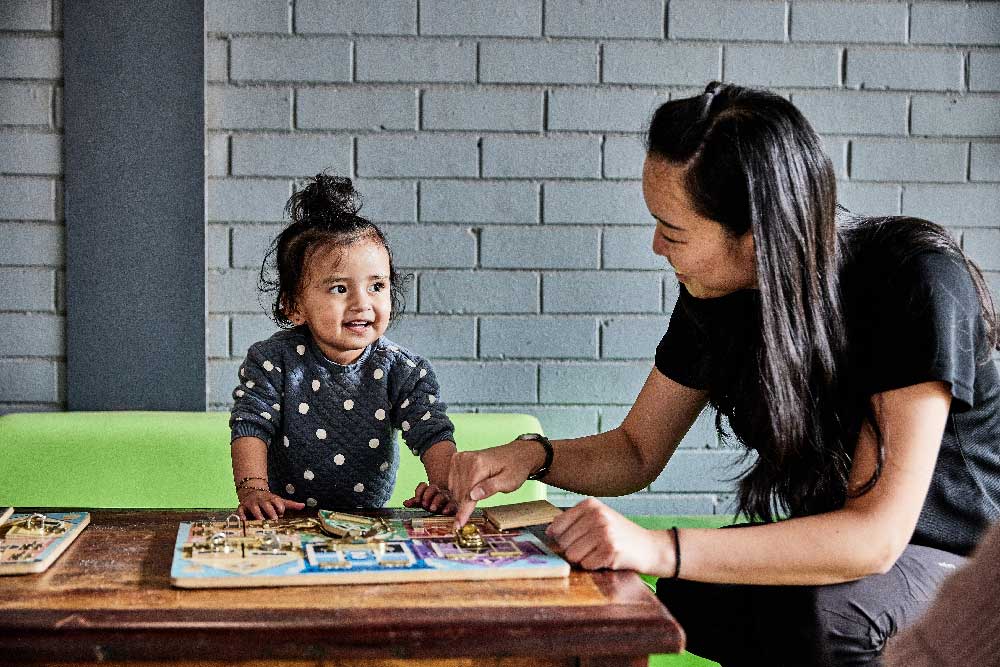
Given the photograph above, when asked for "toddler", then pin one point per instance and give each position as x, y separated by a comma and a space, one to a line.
315, 412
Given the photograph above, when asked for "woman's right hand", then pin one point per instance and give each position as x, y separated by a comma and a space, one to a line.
261, 503
480, 474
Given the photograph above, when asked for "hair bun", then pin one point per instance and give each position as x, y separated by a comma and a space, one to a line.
325, 199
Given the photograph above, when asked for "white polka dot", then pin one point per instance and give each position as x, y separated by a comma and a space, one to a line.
308, 474
284, 439
406, 426
427, 415
268, 366
277, 408
404, 404
321, 433
431, 398
380, 414
240, 393
423, 372
301, 349
394, 349
348, 404
311, 502
373, 443
239, 419
315, 385
249, 384
359, 487
266, 415
289, 488
243, 372
303, 408
384, 466
378, 374
410, 363
339, 459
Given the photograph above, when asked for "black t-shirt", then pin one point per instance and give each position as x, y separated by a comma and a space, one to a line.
907, 323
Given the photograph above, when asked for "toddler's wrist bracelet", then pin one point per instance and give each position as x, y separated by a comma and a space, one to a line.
243, 482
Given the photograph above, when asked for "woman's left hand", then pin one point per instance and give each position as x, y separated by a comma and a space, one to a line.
432, 498
594, 536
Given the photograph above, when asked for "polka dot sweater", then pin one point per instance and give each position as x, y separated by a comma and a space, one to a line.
330, 429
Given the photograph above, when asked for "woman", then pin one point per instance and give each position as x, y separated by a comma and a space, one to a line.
851, 358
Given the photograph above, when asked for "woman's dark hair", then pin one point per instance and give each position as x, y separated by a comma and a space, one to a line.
323, 214
754, 164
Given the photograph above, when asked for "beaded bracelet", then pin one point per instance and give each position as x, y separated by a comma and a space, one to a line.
240, 484
250, 488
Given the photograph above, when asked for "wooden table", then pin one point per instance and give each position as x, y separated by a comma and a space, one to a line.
108, 599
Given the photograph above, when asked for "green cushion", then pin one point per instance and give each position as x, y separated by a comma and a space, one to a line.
168, 459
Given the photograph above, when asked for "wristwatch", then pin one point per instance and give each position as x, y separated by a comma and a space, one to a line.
544, 442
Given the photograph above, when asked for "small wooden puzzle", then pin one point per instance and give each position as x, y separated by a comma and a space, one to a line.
29, 543
337, 548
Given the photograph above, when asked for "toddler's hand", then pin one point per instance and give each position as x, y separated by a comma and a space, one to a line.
260, 503
432, 498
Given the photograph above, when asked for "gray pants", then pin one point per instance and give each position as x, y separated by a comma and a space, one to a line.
797, 626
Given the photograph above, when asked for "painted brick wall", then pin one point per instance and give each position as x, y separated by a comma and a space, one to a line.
498, 142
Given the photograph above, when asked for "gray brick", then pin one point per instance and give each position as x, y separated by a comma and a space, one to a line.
420, 155
323, 59
432, 246
541, 247
522, 61
630, 248
39, 154
507, 18
376, 17
36, 289
487, 382
853, 112
462, 201
955, 116
290, 155
217, 246
28, 381
983, 246
604, 18
26, 199
356, 109
904, 70
869, 198
595, 202
247, 330
598, 382
388, 201
623, 157
248, 108
661, 64
497, 109
541, 157
836, 149
907, 160
250, 243
478, 292
26, 15
700, 471
217, 155
216, 59
959, 205
217, 337
35, 335
644, 504
602, 110
30, 57
984, 71
848, 22
702, 434
245, 199
233, 291
671, 290
601, 292
804, 66
247, 16
395, 59
436, 337
538, 337
29, 244
612, 416
25, 104
222, 377
985, 162
729, 20
557, 422
955, 23
632, 337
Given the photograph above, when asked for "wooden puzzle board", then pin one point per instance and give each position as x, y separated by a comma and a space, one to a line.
27, 548
419, 549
